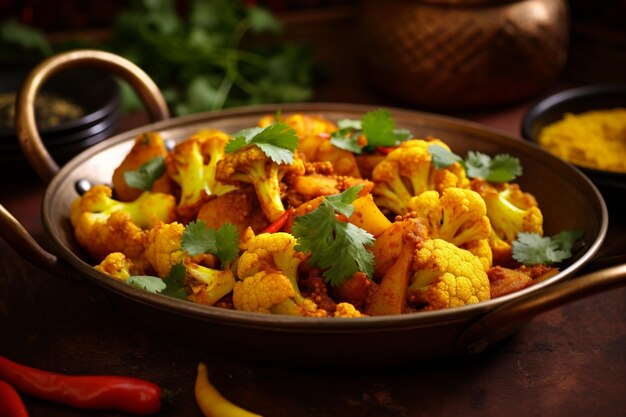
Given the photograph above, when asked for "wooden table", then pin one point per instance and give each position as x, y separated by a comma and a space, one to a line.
568, 362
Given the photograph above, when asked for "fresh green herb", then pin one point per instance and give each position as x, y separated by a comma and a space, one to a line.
342, 203
442, 157
175, 282
346, 140
501, 168
147, 282
171, 285
221, 53
146, 175
278, 141
532, 249
338, 248
378, 128
223, 242
15, 38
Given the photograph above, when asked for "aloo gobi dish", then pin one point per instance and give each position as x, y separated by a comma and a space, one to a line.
305, 216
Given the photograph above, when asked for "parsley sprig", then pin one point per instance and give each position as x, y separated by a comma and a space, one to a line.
337, 247
532, 249
278, 141
500, 168
378, 128
146, 175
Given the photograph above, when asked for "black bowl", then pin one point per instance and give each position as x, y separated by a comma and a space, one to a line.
95, 91
577, 100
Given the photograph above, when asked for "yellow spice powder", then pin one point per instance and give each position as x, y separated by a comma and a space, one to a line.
594, 139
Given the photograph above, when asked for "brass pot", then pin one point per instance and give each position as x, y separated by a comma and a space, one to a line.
461, 53
397, 339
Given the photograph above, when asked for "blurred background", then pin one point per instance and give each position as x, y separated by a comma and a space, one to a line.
213, 54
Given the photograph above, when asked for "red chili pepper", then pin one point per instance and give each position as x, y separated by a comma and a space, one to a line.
280, 222
11, 404
385, 150
131, 395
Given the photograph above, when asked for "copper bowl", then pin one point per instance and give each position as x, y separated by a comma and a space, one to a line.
366, 342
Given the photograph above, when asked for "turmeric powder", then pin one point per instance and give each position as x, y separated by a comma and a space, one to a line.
594, 139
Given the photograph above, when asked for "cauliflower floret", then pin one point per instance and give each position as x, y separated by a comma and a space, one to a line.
118, 266
103, 225
163, 248
251, 165
407, 171
271, 292
272, 252
458, 216
192, 165
510, 211
446, 276
347, 310
207, 285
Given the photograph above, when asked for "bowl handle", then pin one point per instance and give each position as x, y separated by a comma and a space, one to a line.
23, 243
26, 127
506, 319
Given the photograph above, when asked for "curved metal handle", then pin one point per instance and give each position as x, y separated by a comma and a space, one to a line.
504, 320
25, 123
22, 242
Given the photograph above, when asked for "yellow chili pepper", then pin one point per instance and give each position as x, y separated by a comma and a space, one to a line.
211, 402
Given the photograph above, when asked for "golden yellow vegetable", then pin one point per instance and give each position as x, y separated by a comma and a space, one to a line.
211, 402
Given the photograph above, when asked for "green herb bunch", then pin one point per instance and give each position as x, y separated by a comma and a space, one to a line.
219, 54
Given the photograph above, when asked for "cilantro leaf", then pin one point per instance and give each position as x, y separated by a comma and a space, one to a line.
349, 124
146, 282
346, 139
174, 282
501, 168
171, 285
278, 141
350, 242
237, 142
532, 249
504, 168
342, 203
146, 175
379, 129
223, 242
442, 157
339, 248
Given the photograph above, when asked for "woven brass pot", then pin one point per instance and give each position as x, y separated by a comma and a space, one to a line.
461, 53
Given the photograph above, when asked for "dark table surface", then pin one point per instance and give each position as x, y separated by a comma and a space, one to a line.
570, 361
